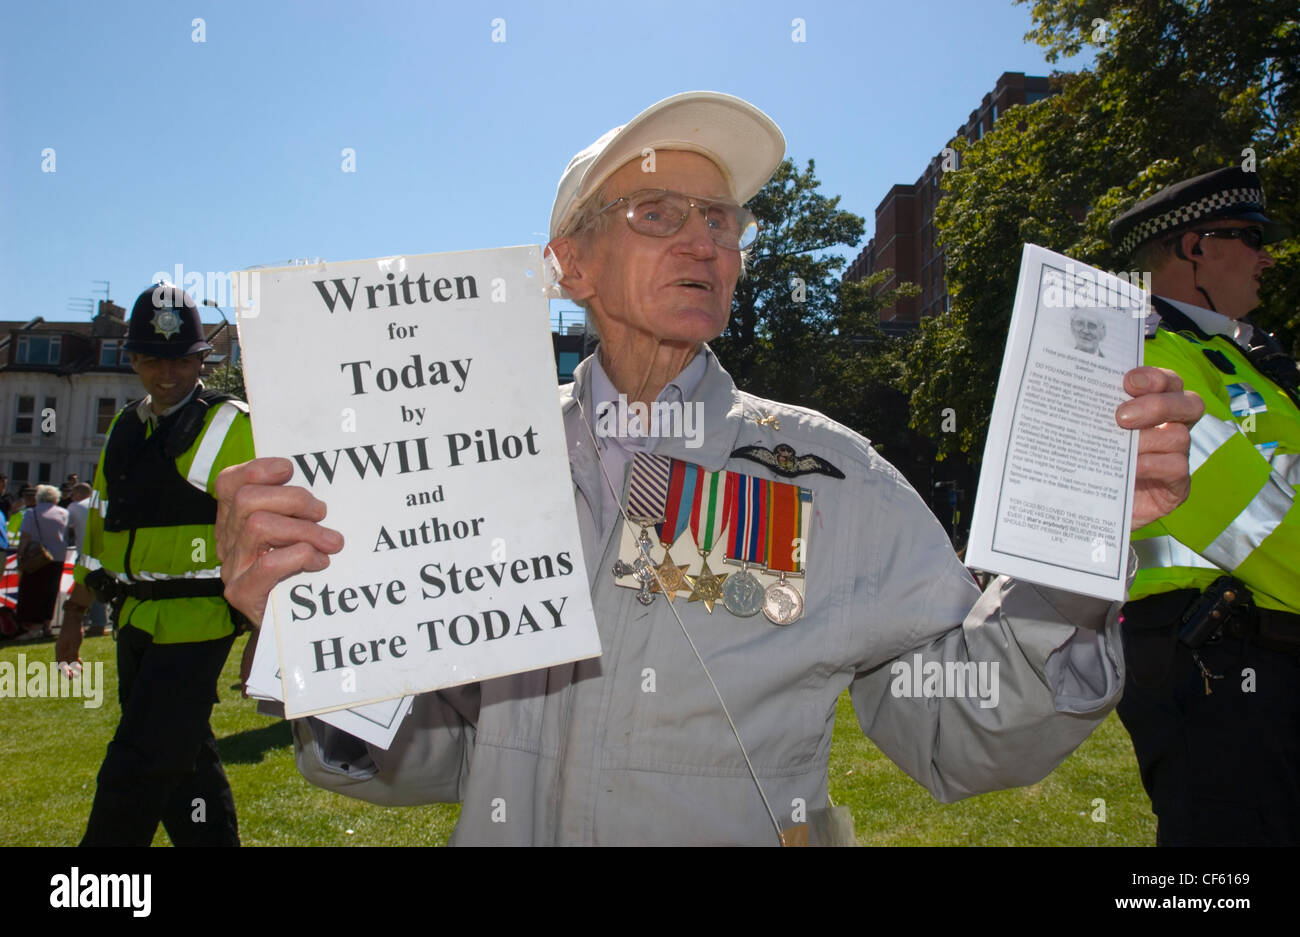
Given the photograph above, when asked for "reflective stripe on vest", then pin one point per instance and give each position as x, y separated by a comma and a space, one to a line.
1164, 552
213, 439
1207, 436
1288, 466
214, 573
1253, 525
97, 503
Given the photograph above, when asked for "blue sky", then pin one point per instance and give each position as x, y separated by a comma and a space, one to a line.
221, 154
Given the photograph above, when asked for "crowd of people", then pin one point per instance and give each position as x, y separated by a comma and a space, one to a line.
41, 523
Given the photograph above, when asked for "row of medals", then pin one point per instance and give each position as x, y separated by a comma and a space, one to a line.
741, 593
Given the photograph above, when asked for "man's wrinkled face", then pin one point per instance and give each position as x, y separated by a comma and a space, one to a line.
1229, 270
1088, 331
168, 381
676, 288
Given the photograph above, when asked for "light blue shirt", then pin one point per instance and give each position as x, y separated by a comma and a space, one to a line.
616, 451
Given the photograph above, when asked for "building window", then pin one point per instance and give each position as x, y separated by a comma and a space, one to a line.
51, 407
105, 408
111, 353
18, 474
1032, 96
38, 349
43, 472
995, 112
26, 412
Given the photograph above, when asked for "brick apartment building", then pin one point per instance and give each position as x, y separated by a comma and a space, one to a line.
904, 237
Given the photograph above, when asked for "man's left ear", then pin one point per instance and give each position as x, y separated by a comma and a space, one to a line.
567, 268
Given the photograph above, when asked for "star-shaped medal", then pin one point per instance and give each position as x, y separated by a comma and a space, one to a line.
706, 587
672, 575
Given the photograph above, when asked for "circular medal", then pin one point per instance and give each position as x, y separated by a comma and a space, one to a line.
742, 593
782, 604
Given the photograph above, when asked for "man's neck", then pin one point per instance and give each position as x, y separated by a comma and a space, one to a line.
640, 366
1184, 290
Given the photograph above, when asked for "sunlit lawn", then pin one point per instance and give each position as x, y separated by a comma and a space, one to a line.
50, 751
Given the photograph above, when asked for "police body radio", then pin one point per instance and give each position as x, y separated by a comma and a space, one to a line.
1211, 611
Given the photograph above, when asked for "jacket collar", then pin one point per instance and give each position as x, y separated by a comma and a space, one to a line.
1204, 323
721, 414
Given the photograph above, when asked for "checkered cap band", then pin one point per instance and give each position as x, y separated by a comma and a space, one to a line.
1184, 215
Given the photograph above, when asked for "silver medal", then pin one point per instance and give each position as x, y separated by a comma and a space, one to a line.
742, 594
641, 568
782, 604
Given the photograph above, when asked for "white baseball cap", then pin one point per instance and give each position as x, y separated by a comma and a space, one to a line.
739, 138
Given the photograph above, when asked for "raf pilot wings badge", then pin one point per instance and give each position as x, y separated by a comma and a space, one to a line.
783, 461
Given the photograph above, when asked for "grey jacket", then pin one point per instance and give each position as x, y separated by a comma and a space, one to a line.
633, 747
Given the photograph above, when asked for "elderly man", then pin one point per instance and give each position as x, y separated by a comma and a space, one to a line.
699, 723
1088, 330
1213, 633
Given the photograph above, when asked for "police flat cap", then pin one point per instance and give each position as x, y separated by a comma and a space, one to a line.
1230, 193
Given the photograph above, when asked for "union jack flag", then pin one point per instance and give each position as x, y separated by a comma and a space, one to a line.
9, 578
9, 583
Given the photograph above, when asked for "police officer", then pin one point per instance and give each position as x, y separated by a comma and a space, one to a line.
1212, 628
149, 550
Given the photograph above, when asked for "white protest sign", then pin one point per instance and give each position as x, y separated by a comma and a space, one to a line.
1055, 493
417, 397
376, 723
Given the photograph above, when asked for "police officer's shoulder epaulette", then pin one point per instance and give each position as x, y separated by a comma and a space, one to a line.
1219, 360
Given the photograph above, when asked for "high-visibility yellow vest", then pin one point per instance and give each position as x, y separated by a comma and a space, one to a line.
15, 522
180, 551
1241, 515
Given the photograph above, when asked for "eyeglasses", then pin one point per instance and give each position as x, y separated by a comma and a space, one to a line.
660, 213
1251, 237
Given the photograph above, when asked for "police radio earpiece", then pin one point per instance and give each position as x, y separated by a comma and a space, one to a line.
1195, 252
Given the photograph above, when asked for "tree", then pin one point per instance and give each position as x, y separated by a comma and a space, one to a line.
785, 304
1190, 86
1178, 88
229, 379
798, 334
858, 369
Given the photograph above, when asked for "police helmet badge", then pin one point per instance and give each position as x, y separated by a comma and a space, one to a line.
166, 322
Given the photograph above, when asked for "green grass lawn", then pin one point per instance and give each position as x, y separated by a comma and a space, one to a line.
50, 751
